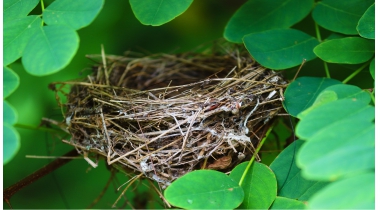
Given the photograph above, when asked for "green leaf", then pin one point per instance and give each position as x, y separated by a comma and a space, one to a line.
302, 92
17, 34
50, 50
357, 192
366, 25
194, 190
9, 114
261, 15
259, 185
339, 150
372, 68
14, 9
331, 113
289, 180
287, 203
350, 50
340, 16
10, 80
158, 12
280, 48
11, 143
73, 13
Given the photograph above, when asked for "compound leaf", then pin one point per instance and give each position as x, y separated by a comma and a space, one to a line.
11, 143
50, 50
366, 25
287, 203
372, 68
194, 190
16, 36
302, 92
280, 48
259, 185
158, 12
340, 16
9, 114
350, 50
10, 80
261, 15
14, 9
73, 13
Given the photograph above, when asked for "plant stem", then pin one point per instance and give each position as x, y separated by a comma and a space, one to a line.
317, 32
355, 73
326, 69
254, 155
30, 127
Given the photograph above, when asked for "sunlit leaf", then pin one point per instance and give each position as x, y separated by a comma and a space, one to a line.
16, 36
350, 50
14, 9
259, 185
261, 15
73, 13
158, 12
195, 191
9, 114
11, 143
289, 180
366, 25
50, 50
280, 48
372, 68
302, 92
356, 192
340, 16
287, 203
10, 81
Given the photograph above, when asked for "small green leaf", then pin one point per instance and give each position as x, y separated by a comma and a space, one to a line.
194, 190
357, 192
302, 92
14, 9
372, 68
366, 25
350, 50
73, 13
289, 180
158, 12
340, 16
10, 80
11, 143
280, 48
261, 15
287, 203
50, 50
9, 114
16, 36
259, 185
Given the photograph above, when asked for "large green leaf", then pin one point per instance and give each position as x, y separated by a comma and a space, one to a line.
350, 50
280, 48
372, 68
14, 9
10, 81
17, 34
357, 192
340, 16
289, 180
158, 12
287, 203
261, 15
73, 13
50, 50
259, 185
366, 25
204, 189
302, 92
326, 115
328, 155
9, 114
11, 142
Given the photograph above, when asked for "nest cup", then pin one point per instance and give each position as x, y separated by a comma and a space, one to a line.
163, 115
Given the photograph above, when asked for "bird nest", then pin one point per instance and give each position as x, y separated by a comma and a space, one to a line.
166, 115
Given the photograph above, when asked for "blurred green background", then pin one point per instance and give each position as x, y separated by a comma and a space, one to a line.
77, 185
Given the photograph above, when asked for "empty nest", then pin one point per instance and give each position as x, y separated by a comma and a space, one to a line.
166, 115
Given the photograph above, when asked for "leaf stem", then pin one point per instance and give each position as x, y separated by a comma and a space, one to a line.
40, 128
318, 32
355, 73
254, 155
326, 69
42, 9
